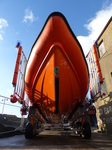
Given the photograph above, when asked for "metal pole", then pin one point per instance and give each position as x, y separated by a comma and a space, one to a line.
3, 106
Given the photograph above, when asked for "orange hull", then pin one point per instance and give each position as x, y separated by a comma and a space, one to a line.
57, 74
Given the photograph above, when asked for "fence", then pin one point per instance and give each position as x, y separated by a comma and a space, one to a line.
10, 116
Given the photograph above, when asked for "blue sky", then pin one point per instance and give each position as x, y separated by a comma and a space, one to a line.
23, 20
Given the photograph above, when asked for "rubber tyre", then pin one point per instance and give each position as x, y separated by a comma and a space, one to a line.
87, 130
29, 131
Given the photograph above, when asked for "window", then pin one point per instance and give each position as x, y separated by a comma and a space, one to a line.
101, 49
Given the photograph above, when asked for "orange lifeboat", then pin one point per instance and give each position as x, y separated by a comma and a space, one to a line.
57, 75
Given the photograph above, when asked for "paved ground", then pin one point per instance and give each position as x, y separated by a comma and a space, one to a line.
58, 140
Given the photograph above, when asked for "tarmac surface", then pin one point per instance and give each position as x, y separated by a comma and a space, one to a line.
58, 140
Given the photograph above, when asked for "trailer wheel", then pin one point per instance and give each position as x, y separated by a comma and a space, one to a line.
29, 131
87, 130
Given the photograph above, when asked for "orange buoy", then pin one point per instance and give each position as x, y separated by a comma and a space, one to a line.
97, 64
14, 81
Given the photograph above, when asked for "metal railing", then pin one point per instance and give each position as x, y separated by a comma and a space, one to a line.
10, 116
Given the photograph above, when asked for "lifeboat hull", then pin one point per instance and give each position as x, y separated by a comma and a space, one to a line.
56, 74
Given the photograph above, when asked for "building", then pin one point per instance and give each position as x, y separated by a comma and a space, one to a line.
101, 77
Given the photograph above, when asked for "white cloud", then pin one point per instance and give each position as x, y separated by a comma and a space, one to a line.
3, 23
9, 90
94, 27
29, 16
1, 38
